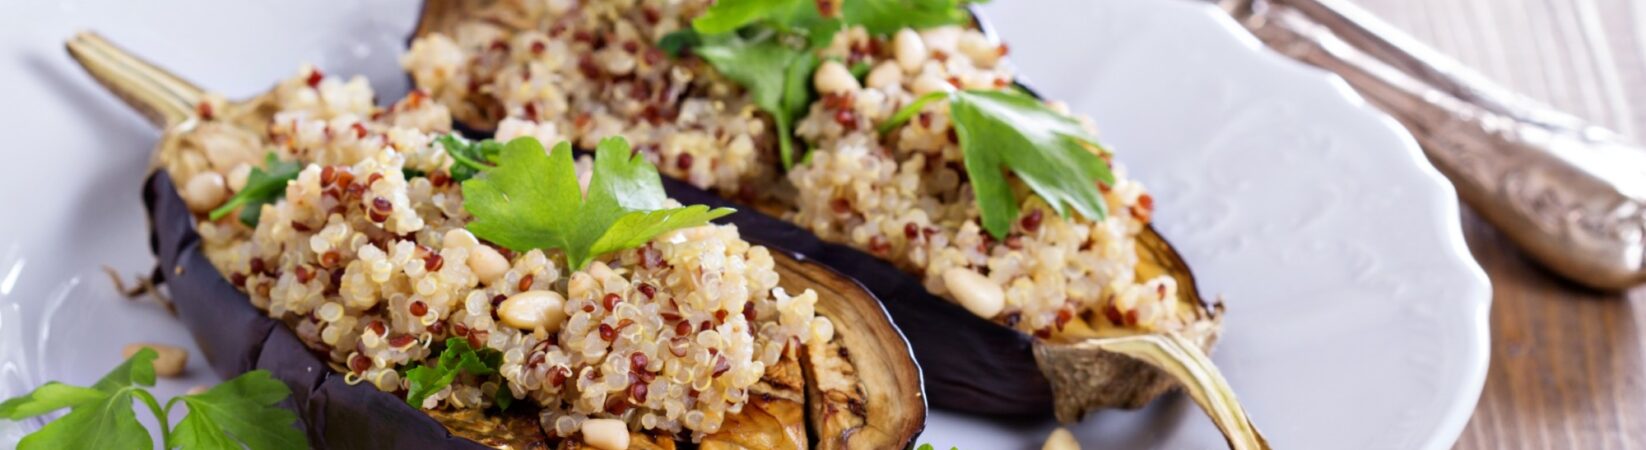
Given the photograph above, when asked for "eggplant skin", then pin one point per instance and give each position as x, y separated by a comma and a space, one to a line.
236, 337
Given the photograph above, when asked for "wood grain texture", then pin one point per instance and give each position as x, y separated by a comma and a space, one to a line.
1568, 365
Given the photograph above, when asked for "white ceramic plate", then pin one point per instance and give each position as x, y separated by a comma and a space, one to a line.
1357, 318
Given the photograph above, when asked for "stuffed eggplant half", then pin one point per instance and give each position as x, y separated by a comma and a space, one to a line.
521, 296
894, 128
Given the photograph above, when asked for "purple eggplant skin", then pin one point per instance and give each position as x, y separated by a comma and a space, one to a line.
236, 337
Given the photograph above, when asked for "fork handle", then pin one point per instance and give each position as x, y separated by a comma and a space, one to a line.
1571, 194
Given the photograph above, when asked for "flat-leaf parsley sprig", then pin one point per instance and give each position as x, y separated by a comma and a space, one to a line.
770, 47
239, 412
532, 199
1008, 130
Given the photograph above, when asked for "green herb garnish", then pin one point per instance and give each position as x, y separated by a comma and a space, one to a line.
263, 186
532, 200
457, 357
1007, 130
884, 17
238, 413
776, 74
469, 157
770, 46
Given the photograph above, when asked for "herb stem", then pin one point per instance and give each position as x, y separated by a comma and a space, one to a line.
466, 161
908, 112
230, 206
159, 414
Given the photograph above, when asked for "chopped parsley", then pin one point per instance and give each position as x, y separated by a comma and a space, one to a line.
458, 357
531, 199
239, 413
1008, 130
263, 186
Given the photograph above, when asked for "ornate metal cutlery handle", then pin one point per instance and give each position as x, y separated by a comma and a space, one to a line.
1569, 193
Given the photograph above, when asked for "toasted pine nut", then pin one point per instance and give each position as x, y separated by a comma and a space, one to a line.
977, 47
884, 75
204, 191
910, 50
979, 294
238, 175
169, 364
459, 238
833, 78
1061, 439
606, 434
531, 310
487, 263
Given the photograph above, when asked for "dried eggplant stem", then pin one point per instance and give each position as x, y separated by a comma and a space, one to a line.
1183, 360
165, 99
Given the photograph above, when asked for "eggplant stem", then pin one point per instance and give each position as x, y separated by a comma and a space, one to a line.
166, 100
1185, 362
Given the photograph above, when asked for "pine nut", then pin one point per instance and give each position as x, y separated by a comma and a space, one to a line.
833, 78
487, 263
204, 191
910, 50
885, 75
606, 434
459, 238
982, 52
531, 310
1061, 439
977, 293
926, 84
169, 364
238, 175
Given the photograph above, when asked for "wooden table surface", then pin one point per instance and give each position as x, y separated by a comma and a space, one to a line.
1568, 366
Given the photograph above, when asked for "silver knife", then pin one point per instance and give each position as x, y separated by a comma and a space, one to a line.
1569, 193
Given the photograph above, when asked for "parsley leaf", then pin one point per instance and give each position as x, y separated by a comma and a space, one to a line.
457, 357
883, 17
1007, 130
777, 77
239, 412
263, 186
532, 200
469, 157
99, 417
729, 15
678, 41
756, 43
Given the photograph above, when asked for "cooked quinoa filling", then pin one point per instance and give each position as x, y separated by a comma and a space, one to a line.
904, 197
374, 269
584, 71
